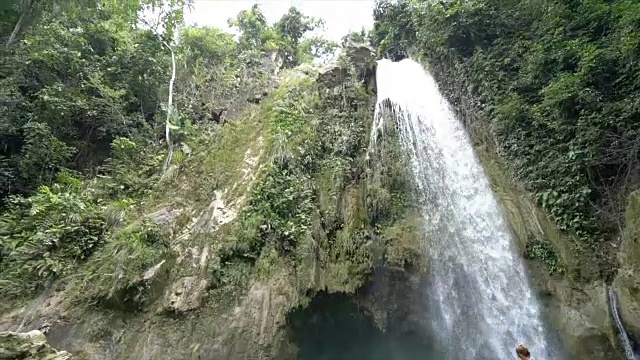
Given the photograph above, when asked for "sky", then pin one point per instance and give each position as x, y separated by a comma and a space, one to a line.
341, 16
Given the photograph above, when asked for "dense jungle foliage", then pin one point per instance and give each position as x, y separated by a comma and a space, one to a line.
87, 119
556, 84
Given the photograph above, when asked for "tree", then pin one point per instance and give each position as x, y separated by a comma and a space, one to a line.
286, 35
253, 28
25, 9
88, 74
290, 30
209, 71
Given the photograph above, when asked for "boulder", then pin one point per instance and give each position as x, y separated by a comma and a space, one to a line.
164, 216
31, 345
151, 273
360, 58
360, 54
188, 293
332, 76
363, 58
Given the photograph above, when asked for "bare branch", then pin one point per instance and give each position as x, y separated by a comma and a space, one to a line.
25, 9
167, 127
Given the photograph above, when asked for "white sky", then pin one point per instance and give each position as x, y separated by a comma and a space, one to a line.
341, 16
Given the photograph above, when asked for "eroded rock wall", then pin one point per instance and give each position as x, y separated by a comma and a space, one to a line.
276, 205
627, 282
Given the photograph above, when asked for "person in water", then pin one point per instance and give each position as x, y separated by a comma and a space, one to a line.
523, 353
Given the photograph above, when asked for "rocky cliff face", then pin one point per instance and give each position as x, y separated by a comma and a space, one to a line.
279, 227
627, 282
271, 209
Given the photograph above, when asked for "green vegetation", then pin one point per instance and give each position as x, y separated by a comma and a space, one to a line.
84, 103
64, 228
122, 273
314, 212
285, 35
554, 82
89, 206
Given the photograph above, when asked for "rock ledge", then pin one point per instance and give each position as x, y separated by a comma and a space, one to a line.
31, 345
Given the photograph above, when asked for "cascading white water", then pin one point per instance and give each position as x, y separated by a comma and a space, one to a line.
483, 304
627, 349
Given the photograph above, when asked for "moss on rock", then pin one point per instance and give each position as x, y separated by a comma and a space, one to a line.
265, 212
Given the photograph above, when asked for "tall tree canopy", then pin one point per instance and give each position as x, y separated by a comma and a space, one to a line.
287, 35
85, 114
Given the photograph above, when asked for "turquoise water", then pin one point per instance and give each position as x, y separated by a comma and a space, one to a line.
333, 327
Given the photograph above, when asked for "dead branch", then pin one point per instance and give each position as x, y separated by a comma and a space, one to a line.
622, 155
25, 9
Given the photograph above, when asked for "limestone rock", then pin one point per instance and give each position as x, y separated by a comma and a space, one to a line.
255, 329
360, 54
188, 293
627, 282
165, 216
577, 314
332, 76
31, 345
273, 61
151, 272
585, 322
359, 57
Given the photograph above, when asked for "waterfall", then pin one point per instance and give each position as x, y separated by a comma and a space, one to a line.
612, 299
482, 303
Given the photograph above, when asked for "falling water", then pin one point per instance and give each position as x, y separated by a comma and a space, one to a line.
483, 305
622, 333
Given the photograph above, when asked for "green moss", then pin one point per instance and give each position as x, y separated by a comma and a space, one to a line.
312, 211
544, 252
116, 276
218, 158
404, 244
331, 181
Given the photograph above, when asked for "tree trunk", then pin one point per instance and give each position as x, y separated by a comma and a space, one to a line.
167, 128
25, 8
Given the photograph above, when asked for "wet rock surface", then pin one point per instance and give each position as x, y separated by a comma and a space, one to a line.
31, 345
627, 282
188, 293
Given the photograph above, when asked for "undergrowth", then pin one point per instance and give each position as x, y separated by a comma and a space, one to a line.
122, 272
